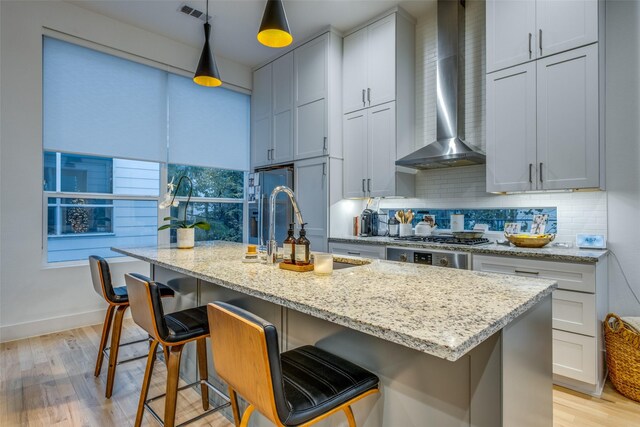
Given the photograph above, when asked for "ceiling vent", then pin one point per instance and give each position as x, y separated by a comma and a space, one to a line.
193, 12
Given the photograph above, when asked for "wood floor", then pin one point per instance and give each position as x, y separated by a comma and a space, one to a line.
48, 381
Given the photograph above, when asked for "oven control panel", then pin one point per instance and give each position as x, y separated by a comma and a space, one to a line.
429, 257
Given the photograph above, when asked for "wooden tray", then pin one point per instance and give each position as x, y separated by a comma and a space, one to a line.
297, 268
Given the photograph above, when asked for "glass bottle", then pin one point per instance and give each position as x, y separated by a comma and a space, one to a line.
289, 245
302, 248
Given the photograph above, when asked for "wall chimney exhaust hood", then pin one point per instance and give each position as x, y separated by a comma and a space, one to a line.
449, 150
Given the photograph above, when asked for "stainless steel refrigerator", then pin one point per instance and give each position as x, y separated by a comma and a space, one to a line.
260, 185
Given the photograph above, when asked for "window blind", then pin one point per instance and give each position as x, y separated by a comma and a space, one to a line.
99, 104
207, 126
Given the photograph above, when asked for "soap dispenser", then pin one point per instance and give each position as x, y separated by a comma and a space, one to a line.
289, 245
302, 248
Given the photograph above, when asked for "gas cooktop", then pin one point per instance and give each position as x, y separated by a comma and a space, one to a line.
445, 239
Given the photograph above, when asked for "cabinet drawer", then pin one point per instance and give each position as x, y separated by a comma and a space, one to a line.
364, 250
574, 356
571, 277
574, 312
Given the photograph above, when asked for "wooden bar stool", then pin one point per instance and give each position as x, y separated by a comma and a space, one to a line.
118, 301
173, 331
296, 388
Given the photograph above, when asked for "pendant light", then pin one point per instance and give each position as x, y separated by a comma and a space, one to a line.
207, 73
274, 29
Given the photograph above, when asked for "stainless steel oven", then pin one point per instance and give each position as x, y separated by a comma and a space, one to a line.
460, 260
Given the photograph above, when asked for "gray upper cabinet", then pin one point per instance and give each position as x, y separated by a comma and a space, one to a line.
317, 76
511, 129
369, 66
261, 116
283, 109
524, 30
511, 28
568, 131
379, 106
565, 24
272, 113
543, 130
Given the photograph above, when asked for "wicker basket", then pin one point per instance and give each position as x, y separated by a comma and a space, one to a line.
623, 356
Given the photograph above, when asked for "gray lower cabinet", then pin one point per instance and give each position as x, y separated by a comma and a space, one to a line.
360, 250
579, 306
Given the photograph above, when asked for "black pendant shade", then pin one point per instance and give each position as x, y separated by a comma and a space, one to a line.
207, 73
274, 29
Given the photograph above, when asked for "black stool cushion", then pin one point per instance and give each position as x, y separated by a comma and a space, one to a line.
316, 381
121, 295
187, 324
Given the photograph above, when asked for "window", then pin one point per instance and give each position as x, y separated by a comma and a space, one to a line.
108, 148
217, 198
94, 203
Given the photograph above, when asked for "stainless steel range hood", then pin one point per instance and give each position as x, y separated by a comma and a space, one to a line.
449, 149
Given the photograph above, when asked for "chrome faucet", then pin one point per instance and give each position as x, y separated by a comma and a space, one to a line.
272, 245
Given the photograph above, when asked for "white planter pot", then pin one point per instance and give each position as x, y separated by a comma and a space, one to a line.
186, 238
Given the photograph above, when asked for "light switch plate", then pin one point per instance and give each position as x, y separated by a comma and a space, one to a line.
591, 241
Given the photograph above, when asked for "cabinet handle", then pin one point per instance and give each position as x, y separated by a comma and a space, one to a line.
369, 185
324, 144
530, 49
324, 169
530, 174
540, 172
353, 253
533, 273
369, 95
363, 190
364, 104
269, 154
540, 40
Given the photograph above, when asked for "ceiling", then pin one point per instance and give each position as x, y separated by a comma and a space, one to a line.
235, 22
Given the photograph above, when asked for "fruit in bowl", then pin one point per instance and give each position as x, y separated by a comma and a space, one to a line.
523, 240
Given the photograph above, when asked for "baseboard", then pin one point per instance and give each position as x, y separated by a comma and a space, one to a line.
47, 326
594, 390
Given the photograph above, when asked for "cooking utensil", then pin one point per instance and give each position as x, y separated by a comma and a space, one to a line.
468, 234
530, 240
409, 216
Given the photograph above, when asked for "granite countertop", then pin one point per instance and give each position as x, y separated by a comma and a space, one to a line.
440, 311
548, 253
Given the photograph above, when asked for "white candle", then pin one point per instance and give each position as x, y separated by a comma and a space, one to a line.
323, 264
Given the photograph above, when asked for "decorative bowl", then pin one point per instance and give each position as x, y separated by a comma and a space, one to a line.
530, 240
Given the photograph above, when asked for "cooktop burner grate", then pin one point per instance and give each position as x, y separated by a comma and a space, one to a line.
448, 240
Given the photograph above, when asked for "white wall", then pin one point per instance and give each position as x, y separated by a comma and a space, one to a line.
623, 151
36, 299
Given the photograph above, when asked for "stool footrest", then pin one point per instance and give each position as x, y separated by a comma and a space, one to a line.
142, 356
197, 417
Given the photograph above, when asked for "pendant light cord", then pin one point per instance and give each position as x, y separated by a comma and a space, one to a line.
207, 12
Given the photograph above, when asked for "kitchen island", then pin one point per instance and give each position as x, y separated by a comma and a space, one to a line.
451, 347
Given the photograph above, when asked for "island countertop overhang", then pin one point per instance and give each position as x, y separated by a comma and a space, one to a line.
439, 311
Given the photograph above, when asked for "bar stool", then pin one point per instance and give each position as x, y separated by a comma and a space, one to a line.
296, 388
173, 331
118, 301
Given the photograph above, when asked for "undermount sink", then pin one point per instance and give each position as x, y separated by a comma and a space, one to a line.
343, 263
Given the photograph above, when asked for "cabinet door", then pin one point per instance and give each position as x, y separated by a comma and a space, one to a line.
381, 61
568, 128
310, 62
261, 115
381, 124
511, 27
565, 24
511, 129
261, 94
283, 109
354, 142
261, 142
354, 71
312, 195
311, 130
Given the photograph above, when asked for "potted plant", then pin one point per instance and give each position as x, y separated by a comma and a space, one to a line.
184, 230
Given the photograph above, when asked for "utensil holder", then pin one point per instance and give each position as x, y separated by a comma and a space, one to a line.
405, 230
